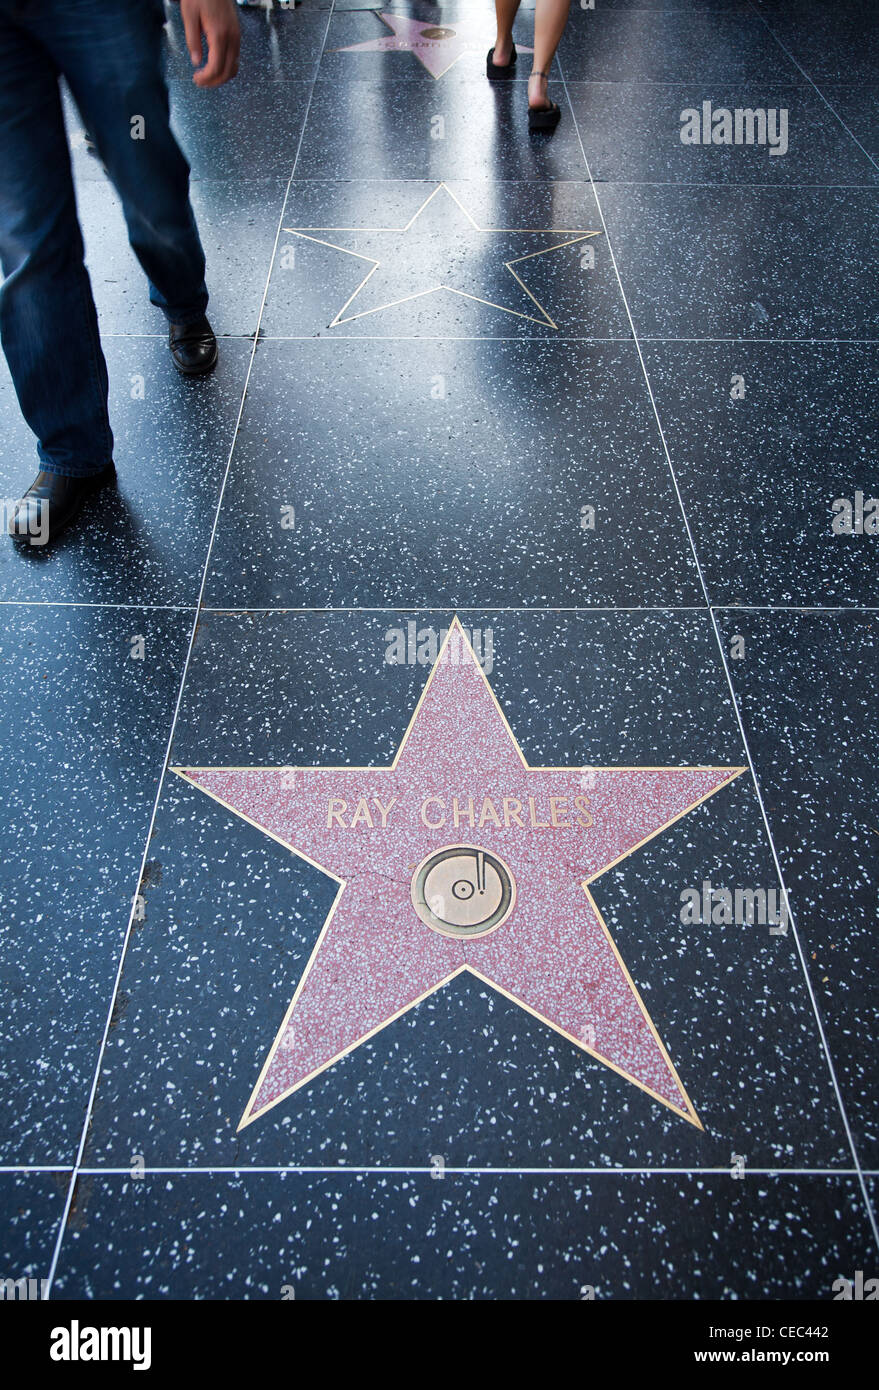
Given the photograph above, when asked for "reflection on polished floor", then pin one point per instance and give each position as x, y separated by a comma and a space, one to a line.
447, 868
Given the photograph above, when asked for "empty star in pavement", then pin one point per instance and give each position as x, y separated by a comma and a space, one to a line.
437, 46
442, 248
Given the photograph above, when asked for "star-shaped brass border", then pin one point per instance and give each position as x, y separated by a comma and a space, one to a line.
574, 236
288, 839
424, 37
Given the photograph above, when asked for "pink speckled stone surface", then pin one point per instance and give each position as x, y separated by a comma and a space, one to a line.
418, 36
375, 957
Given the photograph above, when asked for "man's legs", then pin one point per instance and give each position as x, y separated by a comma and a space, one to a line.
48, 324
110, 52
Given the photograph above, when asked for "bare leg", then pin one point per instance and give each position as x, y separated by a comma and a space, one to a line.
506, 14
550, 17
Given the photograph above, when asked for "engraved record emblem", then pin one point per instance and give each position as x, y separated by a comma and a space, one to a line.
463, 890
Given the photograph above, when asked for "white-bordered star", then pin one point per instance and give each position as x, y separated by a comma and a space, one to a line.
435, 251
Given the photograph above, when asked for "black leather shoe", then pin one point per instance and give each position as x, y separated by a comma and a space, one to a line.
193, 347
51, 502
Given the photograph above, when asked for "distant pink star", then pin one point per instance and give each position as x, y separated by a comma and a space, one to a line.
460, 857
437, 46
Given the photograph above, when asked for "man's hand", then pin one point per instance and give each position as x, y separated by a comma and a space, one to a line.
218, 21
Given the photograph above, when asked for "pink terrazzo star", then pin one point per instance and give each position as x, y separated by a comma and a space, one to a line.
437, 46
459, 856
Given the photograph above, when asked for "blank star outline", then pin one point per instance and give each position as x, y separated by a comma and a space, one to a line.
574, 234
455, 629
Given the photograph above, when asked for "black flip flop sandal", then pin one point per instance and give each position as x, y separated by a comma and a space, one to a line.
496, 73
543, 117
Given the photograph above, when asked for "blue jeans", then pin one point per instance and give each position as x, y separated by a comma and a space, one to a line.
110, 53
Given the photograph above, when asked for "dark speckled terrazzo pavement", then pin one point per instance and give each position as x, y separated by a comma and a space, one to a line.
602, 397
